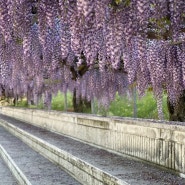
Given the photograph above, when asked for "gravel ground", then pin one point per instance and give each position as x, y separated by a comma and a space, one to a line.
6, 178
38, 170
132, 171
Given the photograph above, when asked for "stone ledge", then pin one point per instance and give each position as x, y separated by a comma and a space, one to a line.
17, 173
80, 170
93, 123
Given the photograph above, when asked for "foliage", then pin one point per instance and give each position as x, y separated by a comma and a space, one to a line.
59, 101
146, 107
121, 106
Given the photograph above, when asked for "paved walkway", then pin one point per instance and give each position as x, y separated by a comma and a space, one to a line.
37, 169
6, 178
125, 168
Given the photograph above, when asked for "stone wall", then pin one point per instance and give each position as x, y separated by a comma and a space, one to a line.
162, 143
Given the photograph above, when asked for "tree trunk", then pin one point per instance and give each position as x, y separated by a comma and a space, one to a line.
177, 111
79, 104
47, 100
15, 100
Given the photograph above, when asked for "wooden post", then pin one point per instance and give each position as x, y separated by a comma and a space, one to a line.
65, 101
92, 106
134, 92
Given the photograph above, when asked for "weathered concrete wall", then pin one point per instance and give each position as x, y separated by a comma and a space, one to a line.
162, 143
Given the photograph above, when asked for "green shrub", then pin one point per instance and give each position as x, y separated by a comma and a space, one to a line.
146, 107
121, 106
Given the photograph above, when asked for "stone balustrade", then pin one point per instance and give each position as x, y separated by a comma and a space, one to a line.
162, 143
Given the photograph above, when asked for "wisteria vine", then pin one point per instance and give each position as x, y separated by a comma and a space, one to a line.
97, 47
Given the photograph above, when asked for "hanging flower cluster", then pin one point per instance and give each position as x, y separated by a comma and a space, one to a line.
45, 45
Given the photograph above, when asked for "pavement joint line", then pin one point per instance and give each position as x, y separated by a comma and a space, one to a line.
24, 136
17, 173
